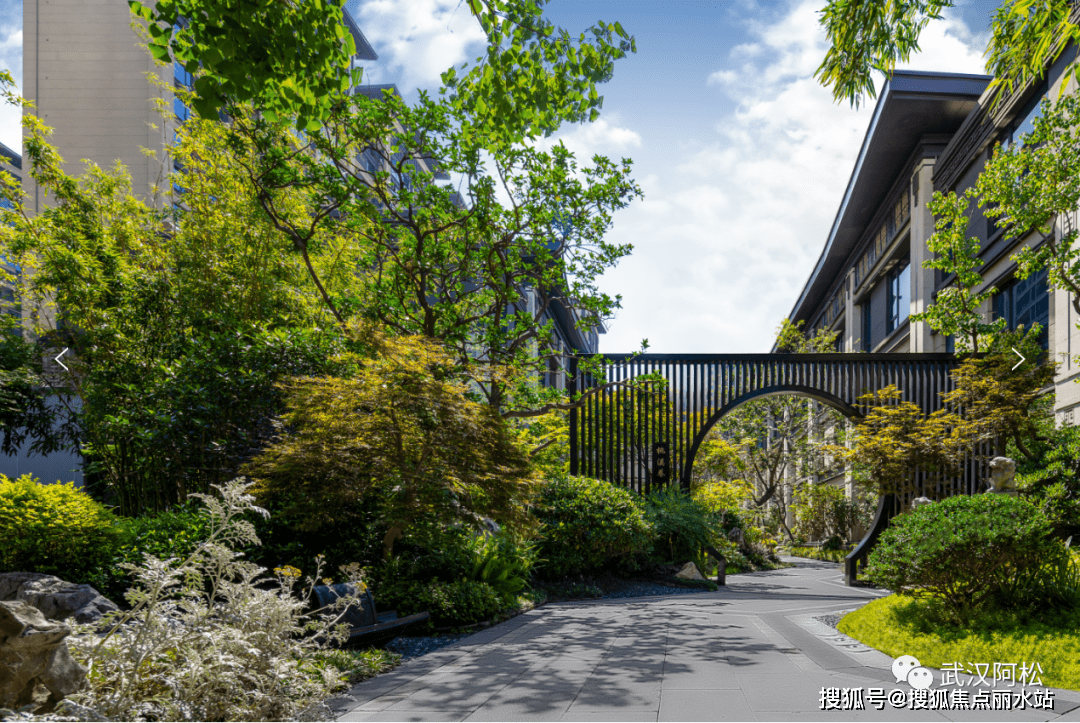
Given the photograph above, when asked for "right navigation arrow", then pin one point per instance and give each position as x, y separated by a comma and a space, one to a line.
1022, 359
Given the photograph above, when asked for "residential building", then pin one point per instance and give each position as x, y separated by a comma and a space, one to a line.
869, 278
88, 75
932, 132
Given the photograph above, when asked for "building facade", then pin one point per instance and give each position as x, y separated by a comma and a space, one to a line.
932, 132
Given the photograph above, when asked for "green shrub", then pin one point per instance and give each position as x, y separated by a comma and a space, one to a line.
589, 524
898, 625
502, 561
55, 529
463, 602
833, 544
964, 550
285, 542
164, 535
681, 524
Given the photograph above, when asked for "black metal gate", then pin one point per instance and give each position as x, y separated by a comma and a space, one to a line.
640, 438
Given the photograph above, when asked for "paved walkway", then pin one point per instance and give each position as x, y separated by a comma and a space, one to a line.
749, 652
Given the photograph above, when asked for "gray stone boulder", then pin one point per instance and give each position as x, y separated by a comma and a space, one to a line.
36, 668
920, 501
690, 571
55, 598
1002, 476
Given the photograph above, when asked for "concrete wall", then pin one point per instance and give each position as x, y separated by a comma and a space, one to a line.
86, 72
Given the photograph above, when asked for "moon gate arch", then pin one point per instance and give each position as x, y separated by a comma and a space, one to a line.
614, 434
643, 439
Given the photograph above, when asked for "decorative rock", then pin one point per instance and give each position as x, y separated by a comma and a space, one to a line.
355, 617
1002, 476
10, 582
35, 666
920, 501
55, 598
690, 571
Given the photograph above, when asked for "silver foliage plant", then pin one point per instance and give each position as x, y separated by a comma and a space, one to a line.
211, 637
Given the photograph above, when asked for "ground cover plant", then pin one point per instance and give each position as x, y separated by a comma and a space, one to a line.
899, 625
459, 575
212, 637
818, 553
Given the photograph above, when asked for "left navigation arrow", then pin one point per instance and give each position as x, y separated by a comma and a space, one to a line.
60, 362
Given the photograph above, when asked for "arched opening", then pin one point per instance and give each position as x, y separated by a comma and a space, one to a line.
614, 437
775, 448
790, 389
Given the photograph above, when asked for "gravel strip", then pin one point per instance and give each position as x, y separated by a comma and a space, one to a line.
409, 648
832, 619
634, 588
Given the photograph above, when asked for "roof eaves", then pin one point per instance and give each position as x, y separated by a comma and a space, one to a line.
364, 51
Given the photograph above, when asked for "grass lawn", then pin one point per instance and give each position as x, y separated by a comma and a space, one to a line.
901, 626
816, 553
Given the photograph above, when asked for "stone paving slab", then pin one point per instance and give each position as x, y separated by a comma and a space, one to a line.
751, 651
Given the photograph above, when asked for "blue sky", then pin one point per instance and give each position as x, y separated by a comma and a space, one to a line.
743, 157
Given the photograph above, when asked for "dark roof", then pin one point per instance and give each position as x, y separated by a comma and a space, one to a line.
375, 92
912, 104
11, 156
364, 51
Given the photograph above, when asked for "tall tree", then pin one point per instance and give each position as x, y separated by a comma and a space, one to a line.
1026, 36
481, 274
294, 61
179, 320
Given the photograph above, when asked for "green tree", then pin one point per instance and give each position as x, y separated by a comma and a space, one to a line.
401, 429
957, 309
1026, 36
893, 439
481, 276
293, 61
1032, 186
179, 321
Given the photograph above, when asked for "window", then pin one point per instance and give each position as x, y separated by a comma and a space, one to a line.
181, 76
180, 110
1024, 302
1025, 121
899, 301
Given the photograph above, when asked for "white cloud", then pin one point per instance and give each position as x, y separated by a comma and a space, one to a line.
728, 235
588, 139
417, 40
11, 41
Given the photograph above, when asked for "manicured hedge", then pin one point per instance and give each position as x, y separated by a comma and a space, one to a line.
56, 529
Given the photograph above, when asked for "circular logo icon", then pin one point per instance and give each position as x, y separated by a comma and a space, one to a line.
920, 678
904, 665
